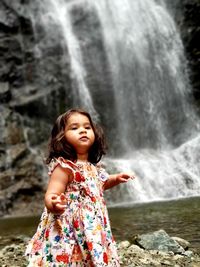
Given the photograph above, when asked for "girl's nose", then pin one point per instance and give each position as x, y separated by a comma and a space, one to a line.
83, 130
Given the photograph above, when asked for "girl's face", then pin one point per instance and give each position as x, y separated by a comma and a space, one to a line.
79, 133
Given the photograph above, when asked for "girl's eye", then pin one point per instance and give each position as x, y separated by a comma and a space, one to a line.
73, 128
88, 127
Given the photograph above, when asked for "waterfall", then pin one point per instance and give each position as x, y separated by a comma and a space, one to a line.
154, 122
59, 12
146, 56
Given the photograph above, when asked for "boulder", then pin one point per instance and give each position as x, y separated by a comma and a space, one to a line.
160, 241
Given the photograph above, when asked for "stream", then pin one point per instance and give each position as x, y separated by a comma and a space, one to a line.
177, 217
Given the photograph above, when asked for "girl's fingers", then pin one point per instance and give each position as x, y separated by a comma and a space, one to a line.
54, 201
123, 180
58, 198
128, 175
54, 197
124, 177
59, 202
62, 197
60, 206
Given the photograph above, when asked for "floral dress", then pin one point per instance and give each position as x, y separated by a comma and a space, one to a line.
81, 236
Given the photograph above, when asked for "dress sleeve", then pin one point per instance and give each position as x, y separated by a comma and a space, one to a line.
102, 173
66, 164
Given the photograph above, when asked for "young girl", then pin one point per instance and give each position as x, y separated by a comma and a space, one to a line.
74, 229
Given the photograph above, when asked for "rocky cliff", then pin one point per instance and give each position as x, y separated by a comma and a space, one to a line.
190, 30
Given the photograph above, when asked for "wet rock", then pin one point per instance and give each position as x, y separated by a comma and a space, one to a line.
182, 242
17, 152
8, 19
134, 255
13, 255
159, 240
13, 129
5, 94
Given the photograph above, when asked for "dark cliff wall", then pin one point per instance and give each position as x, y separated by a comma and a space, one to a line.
28, 88
190, 29
186, 14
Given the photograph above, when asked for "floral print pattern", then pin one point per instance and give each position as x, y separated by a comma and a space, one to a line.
81, 236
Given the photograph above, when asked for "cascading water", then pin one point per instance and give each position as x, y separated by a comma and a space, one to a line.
146, 57
155, 123
58, 12
152, 93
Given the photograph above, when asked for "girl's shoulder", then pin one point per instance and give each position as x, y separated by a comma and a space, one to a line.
64, 163
102, 173
100, 165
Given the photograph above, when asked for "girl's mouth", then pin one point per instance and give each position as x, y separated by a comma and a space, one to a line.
84, 138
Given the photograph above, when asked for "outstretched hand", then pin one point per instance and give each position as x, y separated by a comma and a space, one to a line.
124, 177
115, 179
58, 203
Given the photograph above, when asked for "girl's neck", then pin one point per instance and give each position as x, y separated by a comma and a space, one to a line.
82, 161
82, 158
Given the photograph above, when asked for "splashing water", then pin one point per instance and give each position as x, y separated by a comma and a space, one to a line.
159, 175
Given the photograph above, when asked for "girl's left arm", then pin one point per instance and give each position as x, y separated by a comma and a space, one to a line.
115, 179
54, 197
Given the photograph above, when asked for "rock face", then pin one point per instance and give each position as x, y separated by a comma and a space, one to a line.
190, 29
29, 87
186, 15
26, 108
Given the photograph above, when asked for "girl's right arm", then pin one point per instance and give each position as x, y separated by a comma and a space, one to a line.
115, 179
54, 197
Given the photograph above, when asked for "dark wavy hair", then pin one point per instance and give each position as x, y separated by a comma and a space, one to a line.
59, 147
